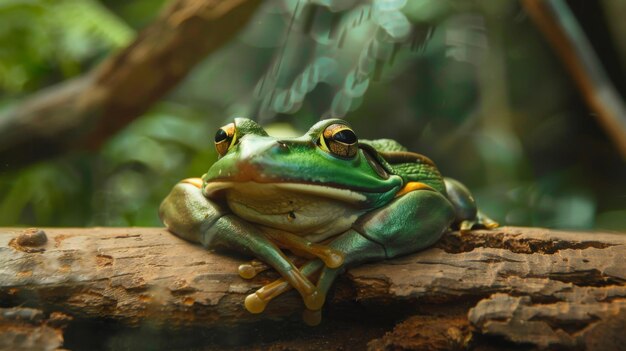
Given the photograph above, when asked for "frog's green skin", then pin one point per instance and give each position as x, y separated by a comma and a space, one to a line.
379, 204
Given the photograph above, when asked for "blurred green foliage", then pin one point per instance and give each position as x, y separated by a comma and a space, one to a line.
490, 104
42, 41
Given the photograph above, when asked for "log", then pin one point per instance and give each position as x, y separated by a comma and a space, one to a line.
27, 329
538, 288
86, 111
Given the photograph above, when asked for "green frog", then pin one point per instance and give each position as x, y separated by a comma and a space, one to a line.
328, 197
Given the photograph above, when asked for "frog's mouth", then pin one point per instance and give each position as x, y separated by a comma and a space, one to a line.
215, 188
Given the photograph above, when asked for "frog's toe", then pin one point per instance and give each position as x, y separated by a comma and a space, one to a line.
315, 300
333, 258
466, 225
255, 304
481, 221
486, 221
312, 317
246, 271
250, 269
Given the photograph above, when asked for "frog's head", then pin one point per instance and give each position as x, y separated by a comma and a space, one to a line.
327, 162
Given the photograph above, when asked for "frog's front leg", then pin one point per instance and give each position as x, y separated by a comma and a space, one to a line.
189, 214
408, 224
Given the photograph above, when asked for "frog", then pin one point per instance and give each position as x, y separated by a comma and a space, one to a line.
327, 197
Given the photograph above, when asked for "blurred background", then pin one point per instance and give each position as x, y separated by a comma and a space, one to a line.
474, 85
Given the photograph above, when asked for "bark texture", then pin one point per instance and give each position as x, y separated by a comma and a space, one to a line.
86, 111
28, 329
519, 287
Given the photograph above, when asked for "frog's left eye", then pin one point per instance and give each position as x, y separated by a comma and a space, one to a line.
340, 140
225, 138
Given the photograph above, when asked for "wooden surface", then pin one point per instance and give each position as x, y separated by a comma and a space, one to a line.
28, 329
533, 287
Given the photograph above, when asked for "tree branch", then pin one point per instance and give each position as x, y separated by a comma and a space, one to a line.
524, 285
87, 110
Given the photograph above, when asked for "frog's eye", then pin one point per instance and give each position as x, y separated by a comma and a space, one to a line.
339, 140
225, 138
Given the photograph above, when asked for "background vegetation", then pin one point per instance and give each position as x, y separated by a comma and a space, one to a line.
473, 85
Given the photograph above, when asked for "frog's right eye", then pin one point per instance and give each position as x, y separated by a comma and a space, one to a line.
225, 138
339, 140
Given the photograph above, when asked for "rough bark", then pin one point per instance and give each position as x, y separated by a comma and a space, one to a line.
27, 329
85, 111
536, 288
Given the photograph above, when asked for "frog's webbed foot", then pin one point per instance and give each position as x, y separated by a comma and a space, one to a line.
257, 301
351, 242
292, 277
332, 258
480, 221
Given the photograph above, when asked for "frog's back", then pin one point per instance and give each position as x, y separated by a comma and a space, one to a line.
411, 166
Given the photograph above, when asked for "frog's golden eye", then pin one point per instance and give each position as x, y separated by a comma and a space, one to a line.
339, 140
225, 138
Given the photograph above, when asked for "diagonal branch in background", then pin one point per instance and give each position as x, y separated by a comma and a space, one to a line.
561, 29
86, 111
528, 286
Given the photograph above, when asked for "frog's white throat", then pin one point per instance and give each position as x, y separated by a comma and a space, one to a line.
313, 211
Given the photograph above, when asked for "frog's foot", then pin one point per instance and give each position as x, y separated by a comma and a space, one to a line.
332, 258
467, 214
250, 269
312, 317
349, 240
481, 221
257, 301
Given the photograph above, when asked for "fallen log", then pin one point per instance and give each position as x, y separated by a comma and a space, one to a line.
533, 287
27, 329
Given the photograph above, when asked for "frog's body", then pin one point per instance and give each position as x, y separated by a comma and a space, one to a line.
367, 200
305, 210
